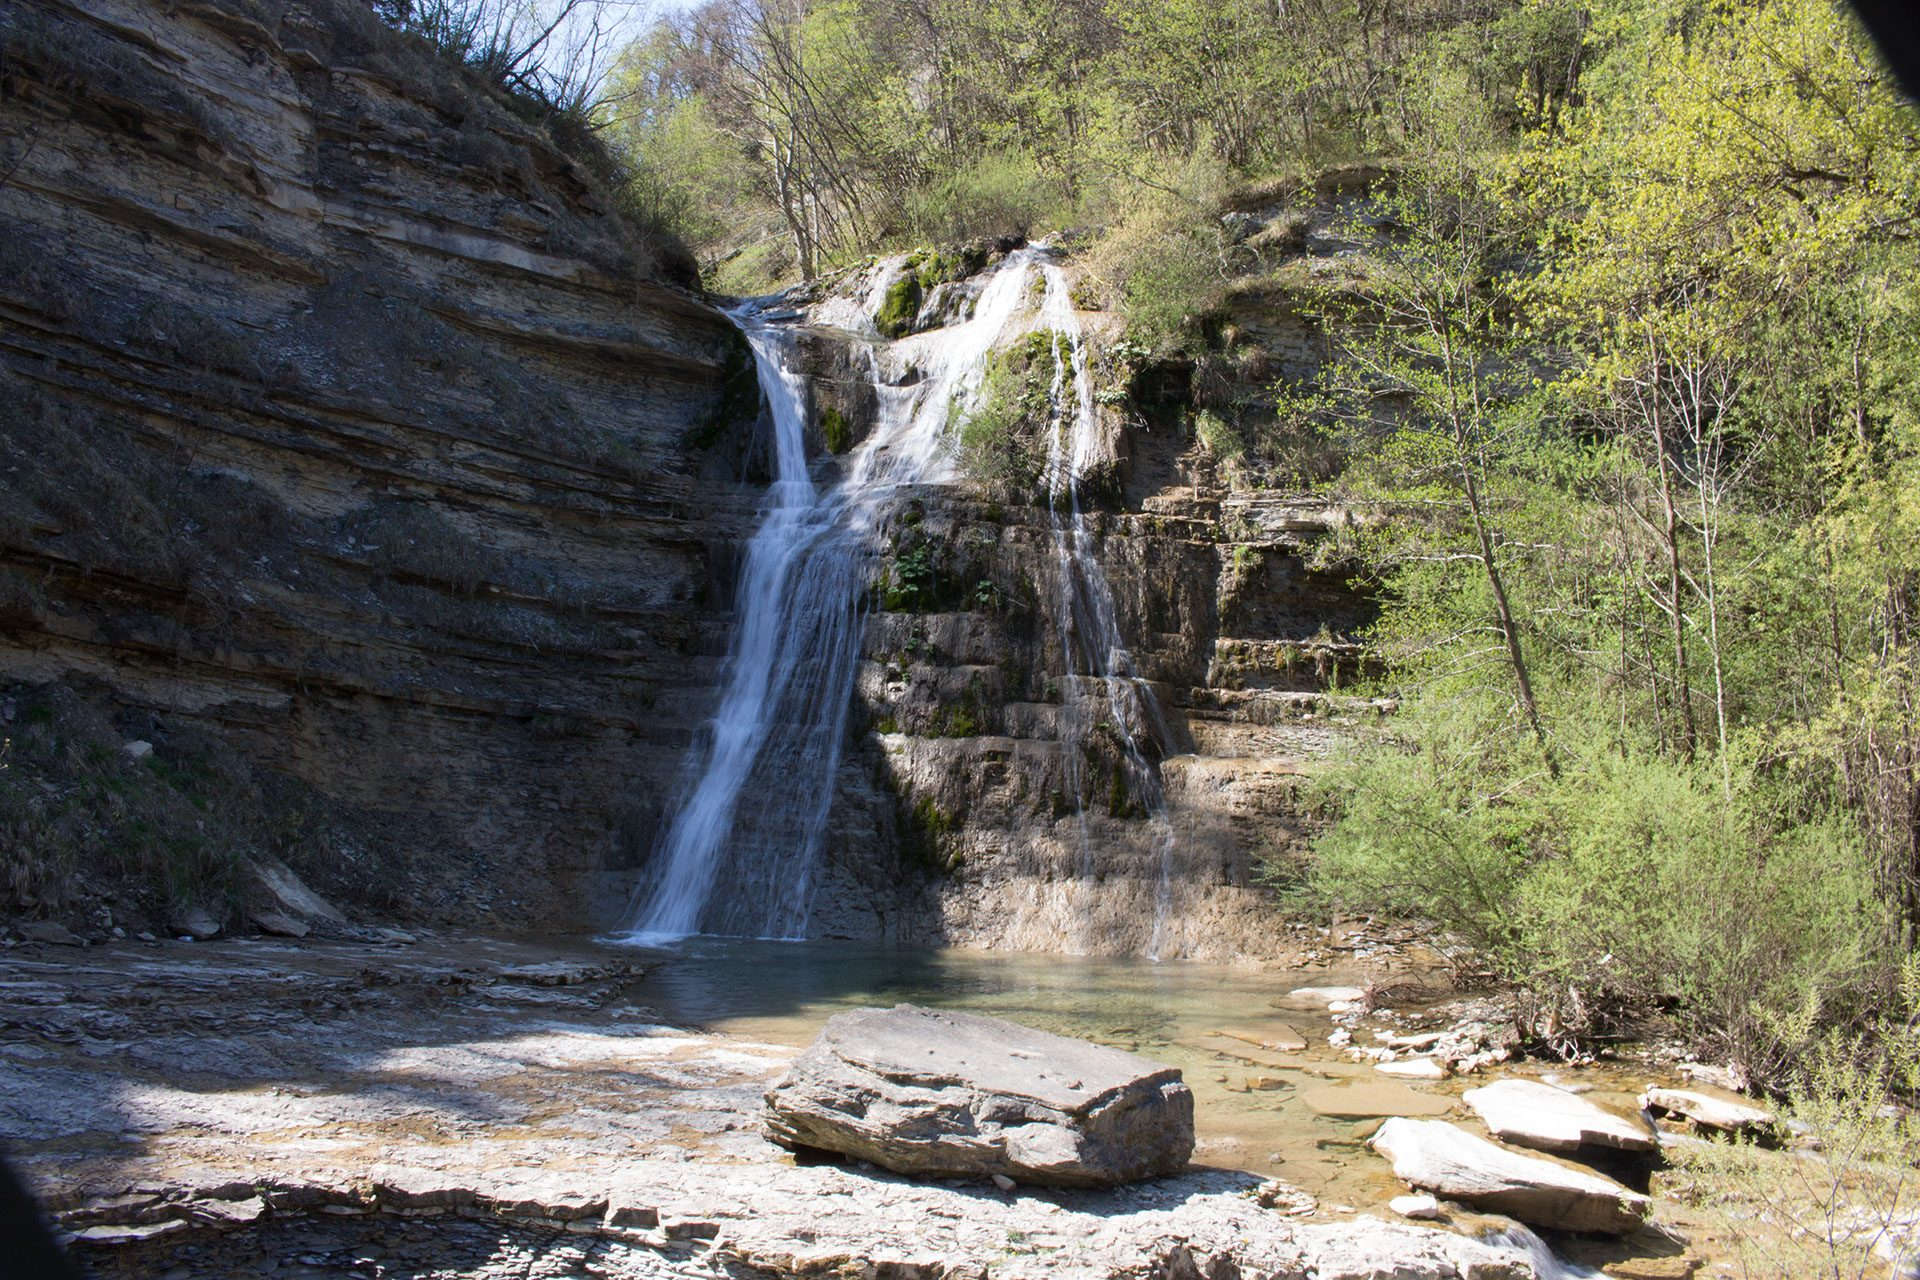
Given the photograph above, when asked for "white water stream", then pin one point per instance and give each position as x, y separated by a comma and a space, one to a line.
753, 811
1095, 651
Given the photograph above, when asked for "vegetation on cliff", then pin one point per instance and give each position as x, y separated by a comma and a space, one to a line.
783, 137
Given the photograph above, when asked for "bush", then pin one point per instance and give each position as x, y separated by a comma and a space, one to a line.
1626, 885
1845, 1201
1004, 194
998, 436
1162, 261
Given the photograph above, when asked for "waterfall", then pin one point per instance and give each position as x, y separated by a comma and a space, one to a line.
1546, 1265
1095, 653
754, 811
752, 815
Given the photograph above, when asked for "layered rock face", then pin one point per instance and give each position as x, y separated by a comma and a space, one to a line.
346, 428
1228, 623
342, 420
1006, 780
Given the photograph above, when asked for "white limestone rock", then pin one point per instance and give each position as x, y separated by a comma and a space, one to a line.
1451, 1163
1418, 1207
1531, 1114
1412, 1069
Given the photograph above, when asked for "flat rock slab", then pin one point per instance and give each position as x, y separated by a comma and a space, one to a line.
1531, 1114
1320, 997
1708, 1110
1370, 1101
463, 1128
1230, 1047
1435, 1156
926, 1092
1277, 1036
1413, 1069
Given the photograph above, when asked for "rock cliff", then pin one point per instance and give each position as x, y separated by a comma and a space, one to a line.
344, 461
372, 501
967, 811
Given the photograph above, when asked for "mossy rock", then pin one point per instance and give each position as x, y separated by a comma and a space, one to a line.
932, 267
927, 837
900, 307
835, 430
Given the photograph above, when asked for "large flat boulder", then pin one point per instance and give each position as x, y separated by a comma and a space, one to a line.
1451, 1163
922, 1091
1531, 1114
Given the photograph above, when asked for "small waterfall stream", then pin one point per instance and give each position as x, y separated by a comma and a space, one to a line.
754, 809
1094, 649
1546, 1264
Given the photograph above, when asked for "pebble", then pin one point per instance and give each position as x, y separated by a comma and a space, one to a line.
1417, 1207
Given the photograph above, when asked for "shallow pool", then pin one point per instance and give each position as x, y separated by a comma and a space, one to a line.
1252, 1108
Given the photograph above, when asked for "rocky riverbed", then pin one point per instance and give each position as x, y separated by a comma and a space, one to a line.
472, 1107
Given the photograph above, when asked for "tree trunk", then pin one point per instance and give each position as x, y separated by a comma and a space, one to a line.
1670, 533
1509, 630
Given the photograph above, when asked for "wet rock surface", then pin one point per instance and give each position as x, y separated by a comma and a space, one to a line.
479, 1108
929, 1092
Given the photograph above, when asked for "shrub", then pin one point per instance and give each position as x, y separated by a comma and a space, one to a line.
1004, 194
912, 585
1163, 260
998, 436
1626, 885
1845, 1201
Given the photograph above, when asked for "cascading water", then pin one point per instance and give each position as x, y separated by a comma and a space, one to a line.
1094, 650
754, 811
1546, 1265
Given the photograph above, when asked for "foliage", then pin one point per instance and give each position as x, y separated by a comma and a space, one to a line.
1002, 194
1623, 885
551, 55
843, 127
999, 431
1844, 1200
912, 583
1163, 262
1631, 432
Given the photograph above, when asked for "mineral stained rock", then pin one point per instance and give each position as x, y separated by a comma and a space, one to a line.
920, 1091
